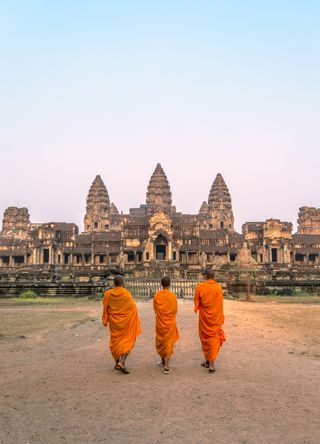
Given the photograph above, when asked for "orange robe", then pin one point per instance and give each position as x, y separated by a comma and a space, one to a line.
166, 307
120, 311
208, 301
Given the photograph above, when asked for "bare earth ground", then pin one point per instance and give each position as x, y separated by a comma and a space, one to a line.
57, 383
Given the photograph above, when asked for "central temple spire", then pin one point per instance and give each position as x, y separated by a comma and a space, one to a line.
159, 194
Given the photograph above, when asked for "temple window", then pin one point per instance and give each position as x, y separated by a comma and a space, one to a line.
274, 254
46, 256
131, 256
5, 260
18, 260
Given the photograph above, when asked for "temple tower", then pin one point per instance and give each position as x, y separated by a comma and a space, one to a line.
16, 222
159, 194
220, 207
309, 220
98, 206
204, 210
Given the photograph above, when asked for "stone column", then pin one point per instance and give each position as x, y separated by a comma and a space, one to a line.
169, 255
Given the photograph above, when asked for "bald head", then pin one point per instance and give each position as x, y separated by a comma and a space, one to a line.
209, 273
165, 282
118, 281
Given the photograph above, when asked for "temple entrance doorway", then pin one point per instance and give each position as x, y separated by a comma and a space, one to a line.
161, 245
274, 255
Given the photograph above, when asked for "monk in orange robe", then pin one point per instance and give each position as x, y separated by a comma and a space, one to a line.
166, 307
208, 301
120, 311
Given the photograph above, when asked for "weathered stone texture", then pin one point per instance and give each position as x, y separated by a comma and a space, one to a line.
309, 220
16, 222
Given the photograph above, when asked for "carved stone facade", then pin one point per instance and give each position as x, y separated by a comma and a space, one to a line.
156, 235
269, 241
16, 223
309, 220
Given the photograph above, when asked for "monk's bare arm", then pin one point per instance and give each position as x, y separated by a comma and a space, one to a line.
197, 299
105, 317
154, 305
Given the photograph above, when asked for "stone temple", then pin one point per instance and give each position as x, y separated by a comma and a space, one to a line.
156, 238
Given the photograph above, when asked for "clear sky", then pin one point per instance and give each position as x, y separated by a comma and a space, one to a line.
113, 87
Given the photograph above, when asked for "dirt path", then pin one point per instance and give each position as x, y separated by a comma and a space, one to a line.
62, 389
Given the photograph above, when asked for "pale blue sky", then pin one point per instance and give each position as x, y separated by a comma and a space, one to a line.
203, 87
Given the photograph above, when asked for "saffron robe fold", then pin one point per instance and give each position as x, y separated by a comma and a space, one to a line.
166, 307
120, 311
208, 301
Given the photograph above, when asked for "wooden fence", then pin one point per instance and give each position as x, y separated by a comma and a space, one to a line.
147, 287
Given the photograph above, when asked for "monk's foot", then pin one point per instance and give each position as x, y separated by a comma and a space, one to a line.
162, 363
205, 364
122, 368
166, 370
212, 369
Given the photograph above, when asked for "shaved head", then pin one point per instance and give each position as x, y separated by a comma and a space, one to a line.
209, 273
165, 282
118, 281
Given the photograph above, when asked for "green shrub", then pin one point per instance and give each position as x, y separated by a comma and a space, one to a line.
28, 294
